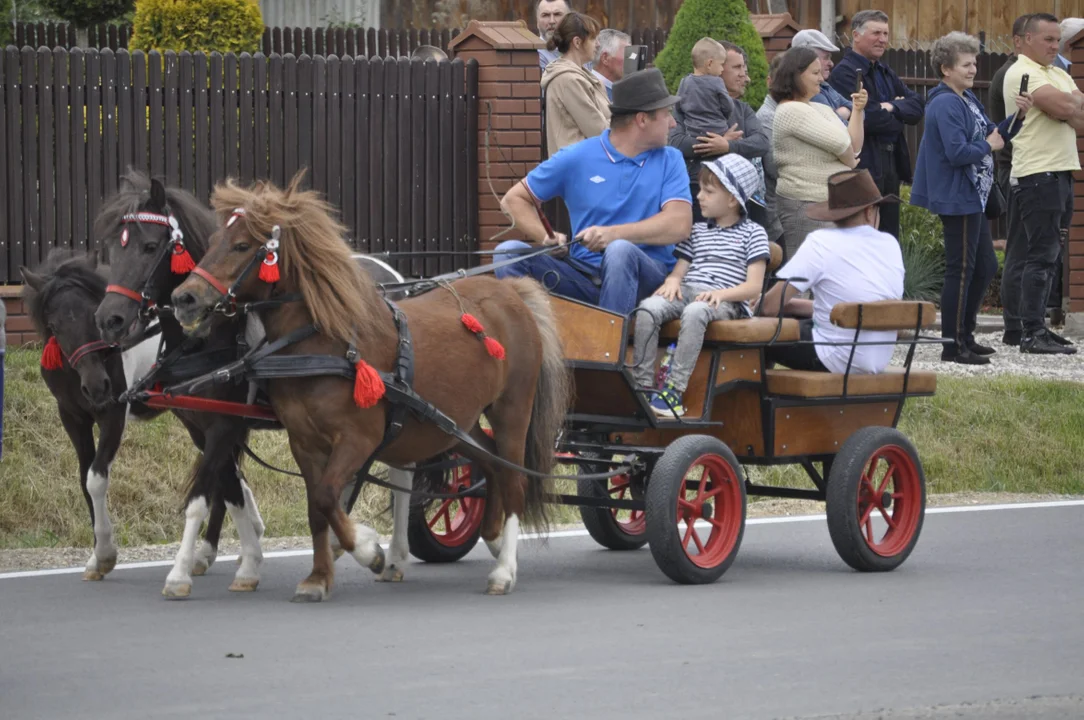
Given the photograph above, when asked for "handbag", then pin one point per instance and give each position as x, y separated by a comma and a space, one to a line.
995, 203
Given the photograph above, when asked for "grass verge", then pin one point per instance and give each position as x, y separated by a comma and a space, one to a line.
1003, 434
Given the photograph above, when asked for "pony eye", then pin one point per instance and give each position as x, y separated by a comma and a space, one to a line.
242, 247
150, 249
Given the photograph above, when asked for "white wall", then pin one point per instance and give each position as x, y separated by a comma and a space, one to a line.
315, 13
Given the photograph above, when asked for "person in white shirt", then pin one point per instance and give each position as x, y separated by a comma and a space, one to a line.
609, 63
852, 262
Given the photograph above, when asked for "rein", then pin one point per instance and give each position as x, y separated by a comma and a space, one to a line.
91, 347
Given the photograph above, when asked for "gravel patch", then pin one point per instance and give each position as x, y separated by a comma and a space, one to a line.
1006, 361
44, 558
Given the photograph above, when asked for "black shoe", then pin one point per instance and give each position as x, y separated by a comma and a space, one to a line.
980, 349
1042, 344
1011, 337
966, 357
1059, 339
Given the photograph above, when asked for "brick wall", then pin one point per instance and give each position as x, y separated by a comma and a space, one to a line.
509, 111
19, 328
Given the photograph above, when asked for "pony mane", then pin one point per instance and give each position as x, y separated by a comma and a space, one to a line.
313, 255
196, 219
64, 269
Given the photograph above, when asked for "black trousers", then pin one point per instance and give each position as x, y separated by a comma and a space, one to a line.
797, 357
970, 265
1041, 209
889, 184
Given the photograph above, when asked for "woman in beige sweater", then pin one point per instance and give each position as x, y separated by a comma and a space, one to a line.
809, 143
576, 104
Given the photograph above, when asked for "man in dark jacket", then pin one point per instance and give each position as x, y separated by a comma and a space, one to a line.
891, 106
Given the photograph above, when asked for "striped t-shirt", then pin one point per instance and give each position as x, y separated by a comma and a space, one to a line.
720, 256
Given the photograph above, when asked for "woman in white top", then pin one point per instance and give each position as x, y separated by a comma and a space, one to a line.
809, 143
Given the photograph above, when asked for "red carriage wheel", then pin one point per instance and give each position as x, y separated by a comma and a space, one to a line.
445, 530
612, 528
876, 499
696, 509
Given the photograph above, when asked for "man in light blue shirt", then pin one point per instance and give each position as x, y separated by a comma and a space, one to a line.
627, 195
819, 43
548, 15
609, 64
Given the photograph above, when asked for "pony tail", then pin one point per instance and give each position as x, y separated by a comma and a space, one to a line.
552, 398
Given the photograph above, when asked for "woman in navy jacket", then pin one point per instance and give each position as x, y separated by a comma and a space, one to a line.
953, 176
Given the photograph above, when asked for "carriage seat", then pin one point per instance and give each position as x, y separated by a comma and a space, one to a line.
811, 384
750, 331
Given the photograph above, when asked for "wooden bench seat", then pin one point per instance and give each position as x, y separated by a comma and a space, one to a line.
748, 331
809, 384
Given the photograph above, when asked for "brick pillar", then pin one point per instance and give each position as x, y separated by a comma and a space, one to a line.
1073, 280
509, 112
20, 330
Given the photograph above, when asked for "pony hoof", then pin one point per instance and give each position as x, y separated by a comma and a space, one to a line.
177, 591
499, 588
244, 584
338, 553
377, 565
106, 566
309, 594
93, 576
390, 574
200, 567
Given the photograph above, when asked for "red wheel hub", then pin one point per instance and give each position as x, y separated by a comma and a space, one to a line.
632, 522
889, 490
453, 522
714, 500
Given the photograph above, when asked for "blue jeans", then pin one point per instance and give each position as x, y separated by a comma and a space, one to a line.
626, 277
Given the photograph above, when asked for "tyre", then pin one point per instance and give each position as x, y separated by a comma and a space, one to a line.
696, 510
611, 528
876, 499
443, 531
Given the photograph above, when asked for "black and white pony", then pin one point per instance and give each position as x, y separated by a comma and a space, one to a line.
85, 375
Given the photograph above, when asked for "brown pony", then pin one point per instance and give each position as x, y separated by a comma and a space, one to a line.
524, 395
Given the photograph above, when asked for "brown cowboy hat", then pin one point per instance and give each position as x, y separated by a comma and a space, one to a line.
849, 193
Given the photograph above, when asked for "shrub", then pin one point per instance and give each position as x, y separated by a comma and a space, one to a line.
5, 26
84, 13
225, 26
922, 240
722, 20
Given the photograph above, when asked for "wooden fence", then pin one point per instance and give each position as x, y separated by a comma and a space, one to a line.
53, 35
392, 143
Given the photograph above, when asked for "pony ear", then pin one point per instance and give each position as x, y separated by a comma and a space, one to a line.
158, 194
32, 279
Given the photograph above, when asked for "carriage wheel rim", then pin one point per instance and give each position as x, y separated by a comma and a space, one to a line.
620, 488
716, 498
462, 522
890, 488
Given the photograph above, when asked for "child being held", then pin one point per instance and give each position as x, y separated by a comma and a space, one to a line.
720, 268
705, 104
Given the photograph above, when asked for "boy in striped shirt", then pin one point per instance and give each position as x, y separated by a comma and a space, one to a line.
720, 268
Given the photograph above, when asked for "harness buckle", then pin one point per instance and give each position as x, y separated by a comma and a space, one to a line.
352, 355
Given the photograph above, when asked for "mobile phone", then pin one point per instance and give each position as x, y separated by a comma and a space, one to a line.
1024, 84
858, 82
635, 58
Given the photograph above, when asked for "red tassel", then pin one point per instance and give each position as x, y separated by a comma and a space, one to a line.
269, 273
51, 356
368, 385
494, 348
181, 263
472, 323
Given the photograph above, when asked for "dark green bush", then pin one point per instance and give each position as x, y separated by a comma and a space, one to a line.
225, 26
722, 20
922, 240
84, 13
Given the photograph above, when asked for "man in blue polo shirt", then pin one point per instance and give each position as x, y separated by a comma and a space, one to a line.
627, 194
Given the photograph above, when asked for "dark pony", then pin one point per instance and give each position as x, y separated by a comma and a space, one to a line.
134, 229
84, 375
479, 345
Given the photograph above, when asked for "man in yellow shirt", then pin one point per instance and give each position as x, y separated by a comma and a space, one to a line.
1044, 159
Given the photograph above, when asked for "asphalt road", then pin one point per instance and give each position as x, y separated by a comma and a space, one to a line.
986, 619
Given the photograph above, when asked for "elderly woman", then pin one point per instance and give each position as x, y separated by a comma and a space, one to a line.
953, 176
576, 103
809, 143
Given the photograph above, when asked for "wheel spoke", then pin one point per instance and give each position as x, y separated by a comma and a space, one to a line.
887, 479
869, 531
888, 518
686, 505
713, 492
442, 511
866, 514
688, 531
696, 539
867, 482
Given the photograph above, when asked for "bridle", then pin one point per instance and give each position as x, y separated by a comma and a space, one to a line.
266, 255
148, 310
91, 347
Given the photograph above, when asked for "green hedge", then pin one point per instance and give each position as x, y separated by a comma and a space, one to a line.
225, 26
722, 20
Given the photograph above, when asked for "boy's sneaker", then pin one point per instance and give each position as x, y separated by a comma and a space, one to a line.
667, 402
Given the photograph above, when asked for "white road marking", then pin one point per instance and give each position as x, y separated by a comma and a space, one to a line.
564, 534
